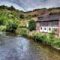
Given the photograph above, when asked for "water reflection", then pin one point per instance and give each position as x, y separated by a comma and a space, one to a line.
19, 48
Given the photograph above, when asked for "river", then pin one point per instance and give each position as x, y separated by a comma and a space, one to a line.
19, 48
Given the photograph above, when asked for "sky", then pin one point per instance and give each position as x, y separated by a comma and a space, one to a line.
27, 5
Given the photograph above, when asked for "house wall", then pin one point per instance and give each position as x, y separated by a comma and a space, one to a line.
47, 29
49, 23
38, 27
47, 26
59, 28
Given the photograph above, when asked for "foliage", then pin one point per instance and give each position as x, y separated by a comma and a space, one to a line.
32, 25
56, 42
29, 17
48, 39
1, 22
5, 7
21, 16
8, 19
11, 8
11, 27
23, 32
2, 28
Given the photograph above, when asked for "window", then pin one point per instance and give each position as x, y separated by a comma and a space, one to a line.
49, 28
44, 28
55, 29
41, 28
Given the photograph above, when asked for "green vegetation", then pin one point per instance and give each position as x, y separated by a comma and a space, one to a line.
21, 16
9, 19
48, 39
32, 25
23, 32
15, 21
1, 22
11, 27
2, 28
12, 20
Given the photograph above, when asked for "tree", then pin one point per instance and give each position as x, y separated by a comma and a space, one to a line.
3, 7
21, 16
32, 25
11, 8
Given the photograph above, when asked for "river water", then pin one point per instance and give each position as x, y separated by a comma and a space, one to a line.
19, 48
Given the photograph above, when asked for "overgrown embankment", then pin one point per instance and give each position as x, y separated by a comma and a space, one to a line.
47, 39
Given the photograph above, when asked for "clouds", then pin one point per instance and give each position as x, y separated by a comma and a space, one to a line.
11, 3
52, 3
32, 4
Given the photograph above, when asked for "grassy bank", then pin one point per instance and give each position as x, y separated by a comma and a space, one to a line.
48, 39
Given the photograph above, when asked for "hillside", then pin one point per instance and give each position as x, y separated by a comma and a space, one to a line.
38, 12
12, 14
11, 11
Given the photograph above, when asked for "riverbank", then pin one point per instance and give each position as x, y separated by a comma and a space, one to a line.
46, 39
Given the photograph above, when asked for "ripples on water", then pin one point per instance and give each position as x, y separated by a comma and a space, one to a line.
19, 48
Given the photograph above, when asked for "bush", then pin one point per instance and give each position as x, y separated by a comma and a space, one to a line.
1, 22
39, 37
45, 39
56, 42
23, 32
32, 25
11, 27
2, 28
21, 16
48, 39
51, 38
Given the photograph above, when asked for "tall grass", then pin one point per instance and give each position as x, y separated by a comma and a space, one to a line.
48, 39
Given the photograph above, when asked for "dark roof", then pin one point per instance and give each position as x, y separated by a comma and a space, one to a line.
50, 17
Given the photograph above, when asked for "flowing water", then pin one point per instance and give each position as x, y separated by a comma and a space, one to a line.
19, 48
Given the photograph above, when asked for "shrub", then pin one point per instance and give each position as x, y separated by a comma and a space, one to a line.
56, 42
32, 25
21, 16
11, 27
39, 37
51, 38
23, 32
2, 28
46, 39
1, 22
